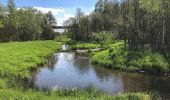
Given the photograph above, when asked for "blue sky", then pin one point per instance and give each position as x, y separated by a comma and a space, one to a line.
62, 9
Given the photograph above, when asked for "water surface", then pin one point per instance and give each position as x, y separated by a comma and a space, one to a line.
69, 70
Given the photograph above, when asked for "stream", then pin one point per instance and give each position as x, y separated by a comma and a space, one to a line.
70, 70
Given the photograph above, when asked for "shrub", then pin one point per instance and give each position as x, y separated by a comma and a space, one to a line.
89, 51
110, 50
71, 42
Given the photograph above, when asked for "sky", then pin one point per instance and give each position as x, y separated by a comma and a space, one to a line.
62, 9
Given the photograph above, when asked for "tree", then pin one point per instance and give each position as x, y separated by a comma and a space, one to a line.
137, 22
12, 21
99, 7
97, 23
51, 19
24, 24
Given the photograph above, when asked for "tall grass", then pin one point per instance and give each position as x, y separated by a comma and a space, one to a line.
119, 57
86, 94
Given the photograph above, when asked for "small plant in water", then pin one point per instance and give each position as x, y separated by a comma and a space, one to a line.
89, 51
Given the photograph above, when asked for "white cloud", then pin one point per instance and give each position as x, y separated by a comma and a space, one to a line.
55, 11
59, 13
68, 15
62, 14
64, 18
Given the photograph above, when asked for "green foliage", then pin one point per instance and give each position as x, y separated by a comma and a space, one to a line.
85, 46
119, 57
103, 36
151, 5
63, 38
137, 96
75, 94
23, 24
48, 33
30, 25
138, 22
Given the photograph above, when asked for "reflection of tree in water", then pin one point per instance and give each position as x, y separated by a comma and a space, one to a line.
102, 73
139, 82
52, 61
160, 85
134, 82
82, 64
31, 83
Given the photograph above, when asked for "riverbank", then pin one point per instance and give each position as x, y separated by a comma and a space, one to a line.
84, 46
87, 94
118, 57
19, 59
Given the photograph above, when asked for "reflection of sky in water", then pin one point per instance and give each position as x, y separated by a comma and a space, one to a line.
59, 30
72, 71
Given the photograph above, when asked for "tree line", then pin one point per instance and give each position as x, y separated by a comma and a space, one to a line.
24, 24
139, 23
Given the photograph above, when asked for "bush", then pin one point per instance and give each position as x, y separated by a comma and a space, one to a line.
110, 50
71, 42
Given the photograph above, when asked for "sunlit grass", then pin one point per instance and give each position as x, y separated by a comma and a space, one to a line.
86, 94
19, 58
85, 46
119, 57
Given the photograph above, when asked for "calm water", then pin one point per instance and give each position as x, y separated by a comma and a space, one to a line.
70, 70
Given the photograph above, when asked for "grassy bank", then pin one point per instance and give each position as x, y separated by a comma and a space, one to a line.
19, 59
118, 57
87, 94
85, 46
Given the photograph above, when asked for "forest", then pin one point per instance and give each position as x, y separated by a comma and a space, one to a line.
140, 23
24, 24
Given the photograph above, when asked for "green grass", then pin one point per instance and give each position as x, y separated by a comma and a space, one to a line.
118, 57
85, 46
85, 94
18, 59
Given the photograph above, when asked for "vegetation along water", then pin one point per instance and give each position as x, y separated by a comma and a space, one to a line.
119, 50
